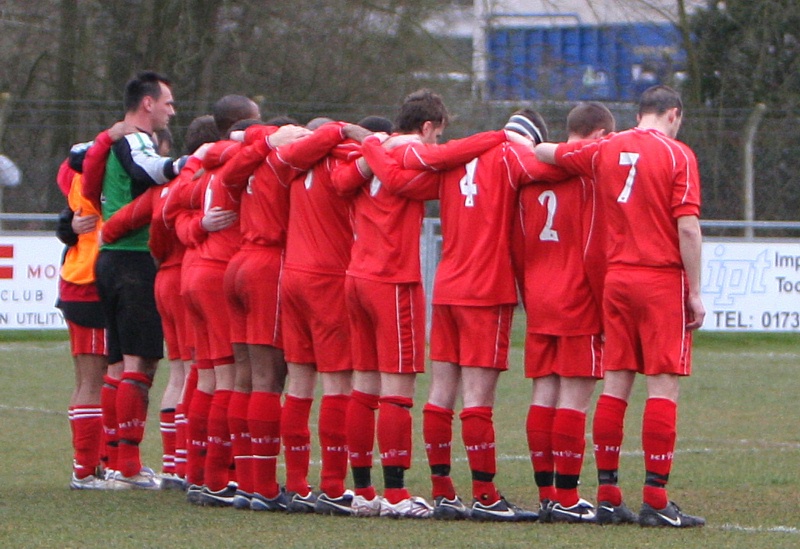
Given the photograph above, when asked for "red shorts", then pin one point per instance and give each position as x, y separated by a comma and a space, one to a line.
208, 311
86, 341
644, 311
314, 321
387, 325
472, 336
566, 356
252, 293
173, 313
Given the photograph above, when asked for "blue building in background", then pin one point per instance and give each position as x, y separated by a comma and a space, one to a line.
613, 62
570, 50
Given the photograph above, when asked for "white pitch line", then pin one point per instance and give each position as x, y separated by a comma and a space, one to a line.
31, 409
759, 529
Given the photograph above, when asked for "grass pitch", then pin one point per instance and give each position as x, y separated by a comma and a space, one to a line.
737, 463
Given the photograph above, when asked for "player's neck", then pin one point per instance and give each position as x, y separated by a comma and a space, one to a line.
140, 120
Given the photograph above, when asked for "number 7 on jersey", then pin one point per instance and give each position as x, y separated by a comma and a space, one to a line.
628, 159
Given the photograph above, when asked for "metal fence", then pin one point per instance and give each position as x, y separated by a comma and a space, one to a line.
30, 138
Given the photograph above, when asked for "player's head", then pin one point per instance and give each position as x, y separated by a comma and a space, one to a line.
376, 124
423, 112
201, 130
664, 104
163, 141
590, 120
659, 100
315, 123
528, 123
149, 94
232, 108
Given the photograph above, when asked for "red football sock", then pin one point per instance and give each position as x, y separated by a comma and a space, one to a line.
658, 442
361, 428
437, 431
87, 428
394, 442
189, 387
197, 437
539, 429
477, 431
180, 441
296, 442
607, 432
108, 402
264, 419
132, 399
240, 440
333, 443
569, 444
182, 422
168, 437
218, 451
394, 431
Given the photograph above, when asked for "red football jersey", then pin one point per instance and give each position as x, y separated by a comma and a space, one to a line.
386, 225
320, 234
263, 178
220, 245
477, 208
645, 181
558, 222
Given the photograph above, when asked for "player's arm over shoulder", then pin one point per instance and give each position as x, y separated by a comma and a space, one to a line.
138, 156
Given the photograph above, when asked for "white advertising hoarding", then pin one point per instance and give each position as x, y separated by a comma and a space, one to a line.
747, 286
752, 286
29, 268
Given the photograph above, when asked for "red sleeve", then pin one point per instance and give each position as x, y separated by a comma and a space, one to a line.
132, 216
94, 168
577, 157
189, 228
686, 194
416, 184
346, 178
182, 197
235, 173
525, 168
304, 153
159, 244
65, 177
455, 153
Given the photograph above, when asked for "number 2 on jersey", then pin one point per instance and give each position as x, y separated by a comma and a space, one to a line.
628, 159
548, 233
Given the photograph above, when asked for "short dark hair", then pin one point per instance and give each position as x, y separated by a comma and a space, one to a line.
201, 130
243, 124
281, 120
144, 84
232, 108
317, 122
420, 107
586, 118
659, 99
376, 124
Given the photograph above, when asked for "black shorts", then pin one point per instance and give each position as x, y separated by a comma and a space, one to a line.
88, 314
125, 281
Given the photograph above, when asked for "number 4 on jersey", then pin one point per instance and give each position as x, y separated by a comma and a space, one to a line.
467, 184
628, 159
